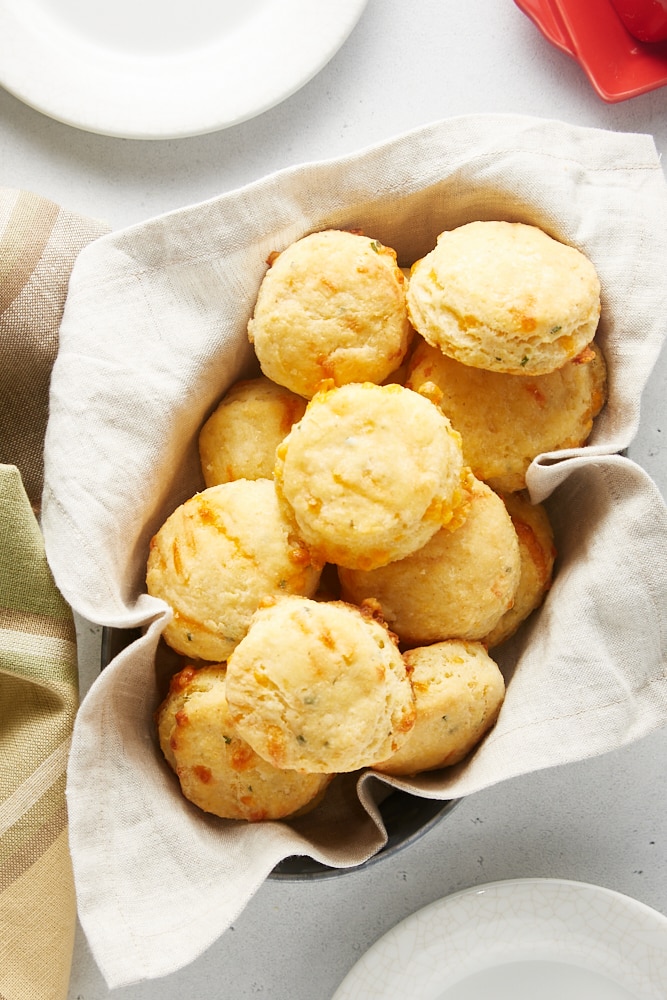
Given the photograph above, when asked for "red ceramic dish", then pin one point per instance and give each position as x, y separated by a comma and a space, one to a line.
645, 19
591, 31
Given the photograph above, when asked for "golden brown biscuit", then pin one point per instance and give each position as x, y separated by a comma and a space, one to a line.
370, 473
505, 421
459, 691
538, 553
319, 687
239, 439
457, 586
506, 297
216, 768
331, 307
217, 557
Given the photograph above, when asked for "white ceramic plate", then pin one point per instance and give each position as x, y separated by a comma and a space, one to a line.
149, 69
529, 939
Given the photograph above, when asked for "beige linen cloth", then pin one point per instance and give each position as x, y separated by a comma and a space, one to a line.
153, 333
39, 242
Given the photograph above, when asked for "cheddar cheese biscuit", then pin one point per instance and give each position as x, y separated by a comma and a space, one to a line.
331, 307
239, 439
506, 297
459, 691
538, 553
506, 421
217, 557
457, 586
217, 770
370, 473
319, 687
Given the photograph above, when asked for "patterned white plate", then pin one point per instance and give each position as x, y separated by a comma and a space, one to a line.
526, 939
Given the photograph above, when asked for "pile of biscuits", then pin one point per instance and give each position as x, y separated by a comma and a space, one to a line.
365, 537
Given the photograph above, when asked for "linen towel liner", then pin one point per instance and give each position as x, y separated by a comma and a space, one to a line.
154, 331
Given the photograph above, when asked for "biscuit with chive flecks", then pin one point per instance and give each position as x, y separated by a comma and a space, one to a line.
370, 473
505, 296
331, 307
216, 769
457, 586
319, 687
217, 557
459, 691
505, 421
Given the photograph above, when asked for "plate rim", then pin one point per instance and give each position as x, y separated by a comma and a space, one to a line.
149, 96
412, 964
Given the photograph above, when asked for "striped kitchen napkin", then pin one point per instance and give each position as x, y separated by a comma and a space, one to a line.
38, 700
39, 242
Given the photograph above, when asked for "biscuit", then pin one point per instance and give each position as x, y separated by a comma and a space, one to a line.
217, 770
319, 687
217, 557
457, 586
538, 553
459, 691
370, 473
239, 439
506, 297
505, 421
330, 307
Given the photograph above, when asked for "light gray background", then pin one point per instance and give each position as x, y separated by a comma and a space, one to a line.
601, 821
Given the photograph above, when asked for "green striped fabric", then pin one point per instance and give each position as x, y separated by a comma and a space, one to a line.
38, 700
39, 242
